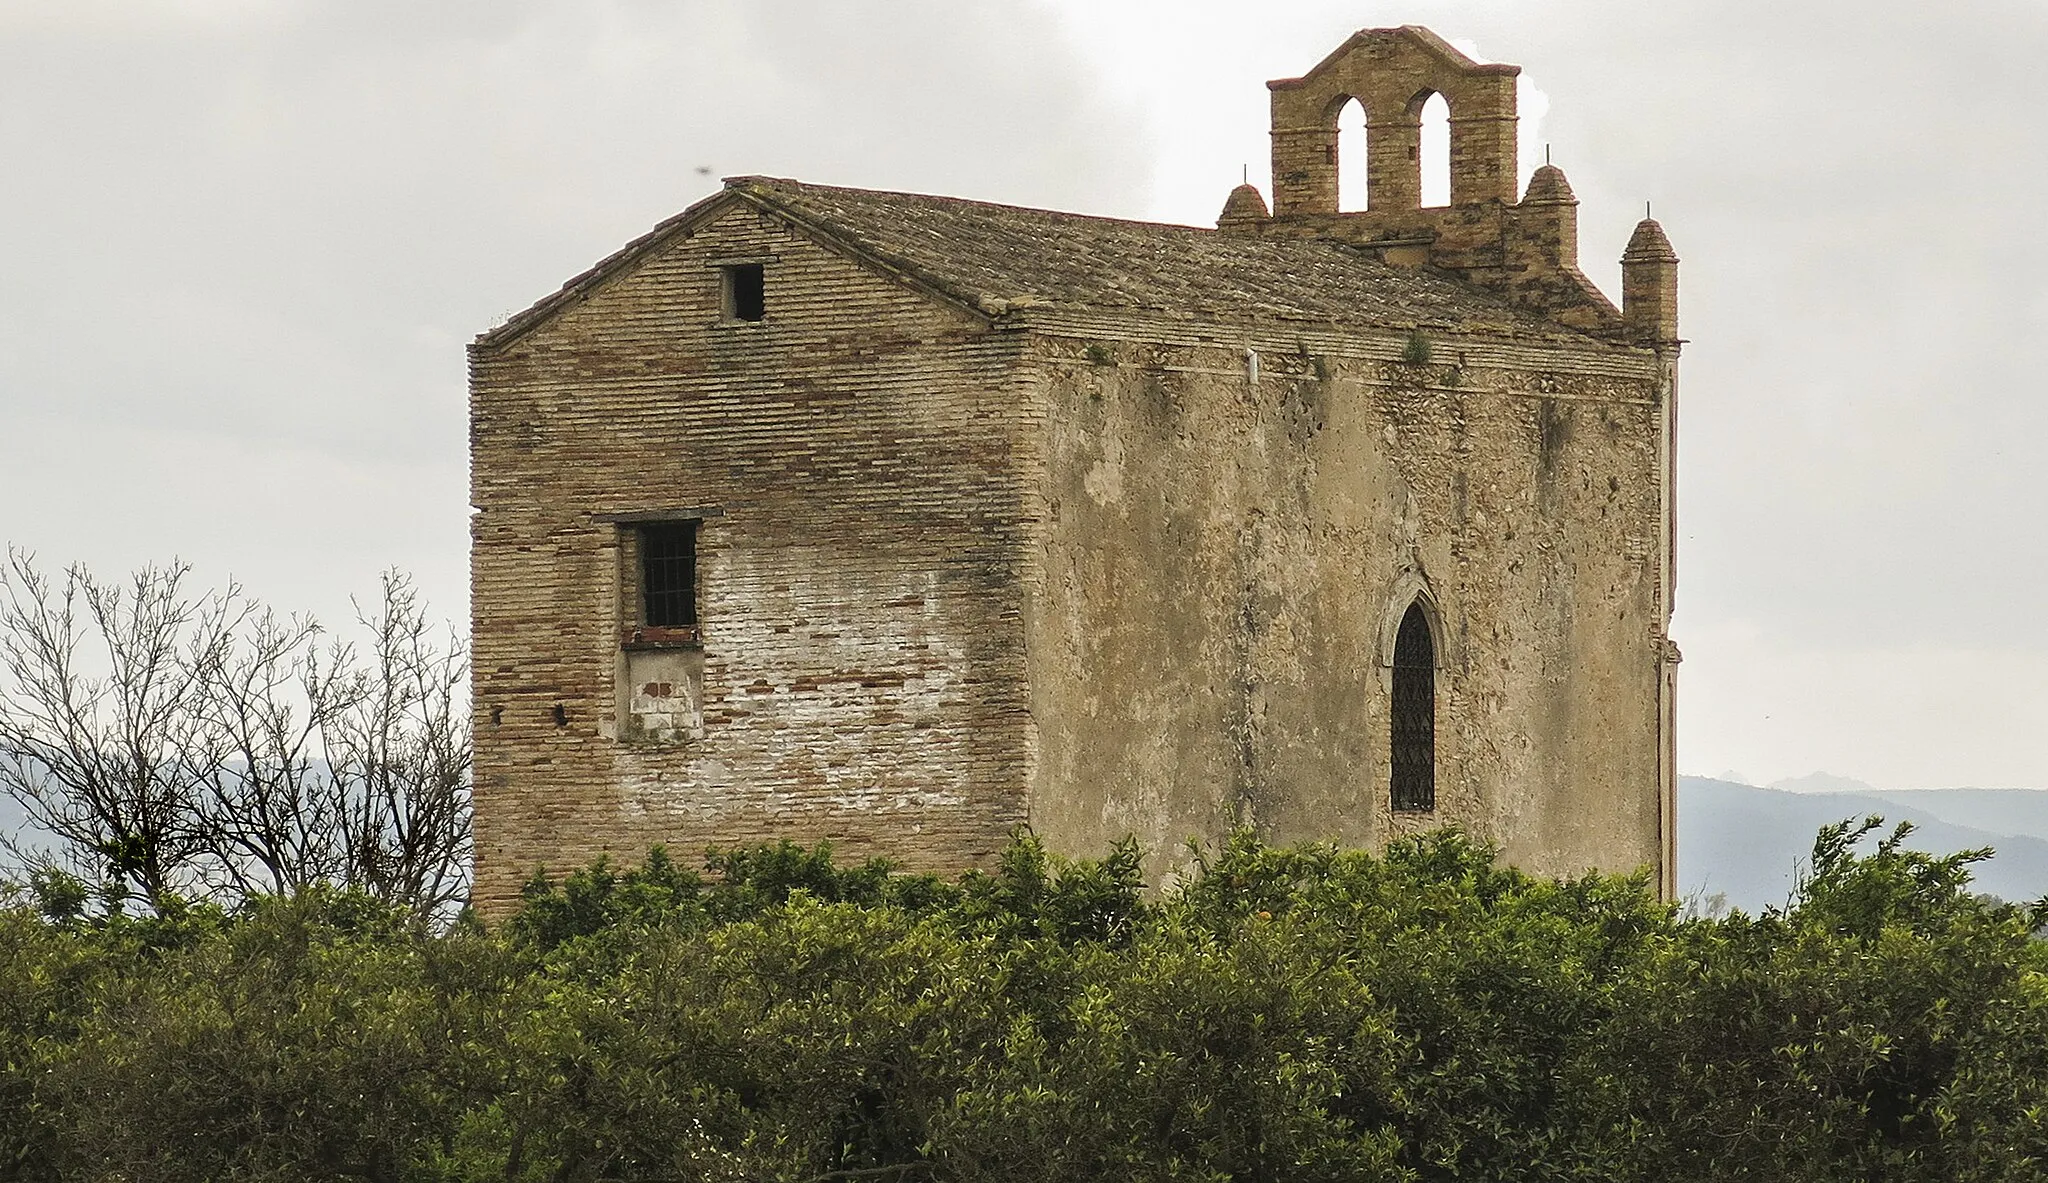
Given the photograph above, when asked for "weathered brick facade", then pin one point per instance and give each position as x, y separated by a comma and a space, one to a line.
994, 516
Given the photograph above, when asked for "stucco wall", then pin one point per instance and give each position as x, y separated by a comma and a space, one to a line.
862, 657
1222, 561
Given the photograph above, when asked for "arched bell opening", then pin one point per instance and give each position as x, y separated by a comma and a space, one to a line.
1433, 150
1354, 160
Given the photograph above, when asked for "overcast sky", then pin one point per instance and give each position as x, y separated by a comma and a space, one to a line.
242, 244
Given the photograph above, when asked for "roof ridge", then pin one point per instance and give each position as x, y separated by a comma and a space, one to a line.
992, 258
944, 199
793, 196
584, 281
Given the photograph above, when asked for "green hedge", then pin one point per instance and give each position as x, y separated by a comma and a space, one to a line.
1297, 1014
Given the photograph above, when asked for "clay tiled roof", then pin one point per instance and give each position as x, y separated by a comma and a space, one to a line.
981, 252
995, 257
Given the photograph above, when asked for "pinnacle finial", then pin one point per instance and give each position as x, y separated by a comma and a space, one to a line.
1246, 207
1548, 186
1649, 244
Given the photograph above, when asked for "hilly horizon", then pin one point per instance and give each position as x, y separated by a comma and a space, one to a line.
1747, 843
1997, 811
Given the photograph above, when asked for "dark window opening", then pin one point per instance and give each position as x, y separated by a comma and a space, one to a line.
746, 291
1414, 747
668, 575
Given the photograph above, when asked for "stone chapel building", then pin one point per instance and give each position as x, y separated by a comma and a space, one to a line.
904, 521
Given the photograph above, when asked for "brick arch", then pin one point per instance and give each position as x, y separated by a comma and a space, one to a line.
1334, 109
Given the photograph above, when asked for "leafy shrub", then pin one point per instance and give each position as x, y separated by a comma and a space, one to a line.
1282, 1013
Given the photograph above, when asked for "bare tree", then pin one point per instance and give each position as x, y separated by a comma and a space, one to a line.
268, 808
399, 750
102, 734
206, 745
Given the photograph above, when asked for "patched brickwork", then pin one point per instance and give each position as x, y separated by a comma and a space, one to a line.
1001, 516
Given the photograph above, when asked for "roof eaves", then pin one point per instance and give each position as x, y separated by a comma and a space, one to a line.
582, 285
760, 193
1317, 334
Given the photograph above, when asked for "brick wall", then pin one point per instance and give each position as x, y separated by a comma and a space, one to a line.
862, 653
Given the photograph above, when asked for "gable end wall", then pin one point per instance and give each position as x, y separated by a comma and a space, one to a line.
862, 656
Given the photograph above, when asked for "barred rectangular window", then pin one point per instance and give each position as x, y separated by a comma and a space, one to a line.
668, 574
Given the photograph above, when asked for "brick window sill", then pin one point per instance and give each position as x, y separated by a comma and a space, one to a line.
662, 638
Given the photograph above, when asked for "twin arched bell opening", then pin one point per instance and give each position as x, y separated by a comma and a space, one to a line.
1430, 149
1394, 75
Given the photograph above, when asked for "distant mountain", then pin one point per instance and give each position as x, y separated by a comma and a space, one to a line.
1746, 843
1996, 811
1813, 782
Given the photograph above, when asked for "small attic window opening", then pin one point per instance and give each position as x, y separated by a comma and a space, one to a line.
744, 291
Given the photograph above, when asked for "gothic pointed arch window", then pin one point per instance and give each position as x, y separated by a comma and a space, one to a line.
1414, 714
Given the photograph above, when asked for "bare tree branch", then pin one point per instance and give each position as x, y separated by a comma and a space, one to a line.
401, 751
102, 738
175, 744
270, 810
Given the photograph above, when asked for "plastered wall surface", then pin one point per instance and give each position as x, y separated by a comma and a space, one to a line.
1224, 561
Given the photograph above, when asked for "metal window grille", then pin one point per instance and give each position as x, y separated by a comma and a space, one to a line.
1414, 714
668, 567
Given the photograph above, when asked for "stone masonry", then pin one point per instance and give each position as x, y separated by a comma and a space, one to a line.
904, 521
